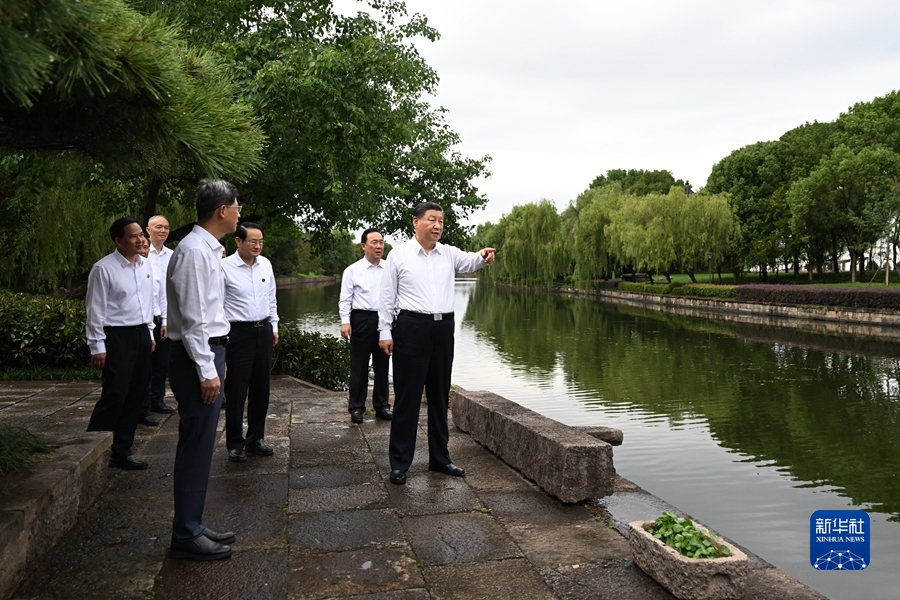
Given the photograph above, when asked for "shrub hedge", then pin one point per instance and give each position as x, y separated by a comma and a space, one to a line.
42, 331
313, 357
853, 297
43, 336
641, 288
704, 290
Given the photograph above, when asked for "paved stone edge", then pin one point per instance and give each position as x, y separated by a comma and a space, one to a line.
44, 504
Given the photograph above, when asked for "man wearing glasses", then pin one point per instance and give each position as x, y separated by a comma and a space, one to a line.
251, 309
199, 332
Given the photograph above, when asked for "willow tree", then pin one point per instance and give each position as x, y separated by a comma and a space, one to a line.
590, 243
663, 232
533, 250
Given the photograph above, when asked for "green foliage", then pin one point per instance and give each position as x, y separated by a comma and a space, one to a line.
49, 374
42, 331
683, 536
641, 288
121, 87
351, 139
638, 182
18, 451
313, 357
704, 290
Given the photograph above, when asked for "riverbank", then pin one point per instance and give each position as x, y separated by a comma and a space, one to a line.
319, 520
292, 282
868, 323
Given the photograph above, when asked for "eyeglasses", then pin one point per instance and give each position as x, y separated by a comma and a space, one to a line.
255, 243
236, 207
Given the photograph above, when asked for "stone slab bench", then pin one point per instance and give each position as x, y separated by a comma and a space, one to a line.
564, 461
43, 505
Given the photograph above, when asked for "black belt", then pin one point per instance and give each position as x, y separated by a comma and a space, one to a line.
222, 340
427, 316
126, 327
249, 323
364, 312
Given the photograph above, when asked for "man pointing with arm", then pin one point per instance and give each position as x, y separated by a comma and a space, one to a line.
416, 325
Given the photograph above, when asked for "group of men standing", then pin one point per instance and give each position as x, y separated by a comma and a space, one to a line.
152, 312
402, 308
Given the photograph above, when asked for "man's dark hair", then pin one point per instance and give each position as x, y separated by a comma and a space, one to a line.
211, 194
242, 228
117, 229
365, 234
422, 208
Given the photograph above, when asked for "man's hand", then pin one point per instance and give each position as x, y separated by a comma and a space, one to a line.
488, 254
274, 338
209, 390
346, 330
387, 346
163, 332
152, 345
98, 360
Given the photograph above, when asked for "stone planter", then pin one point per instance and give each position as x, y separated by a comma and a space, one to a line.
688, 578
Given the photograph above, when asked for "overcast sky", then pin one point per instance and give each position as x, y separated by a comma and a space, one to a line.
559, 92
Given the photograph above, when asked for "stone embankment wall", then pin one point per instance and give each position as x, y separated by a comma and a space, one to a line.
290, 282
880, 324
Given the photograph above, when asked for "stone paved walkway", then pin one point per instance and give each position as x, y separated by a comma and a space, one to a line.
319, 519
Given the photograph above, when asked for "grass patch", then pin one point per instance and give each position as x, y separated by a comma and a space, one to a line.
49, 374
18, 451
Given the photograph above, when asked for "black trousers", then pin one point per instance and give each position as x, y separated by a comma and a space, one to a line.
423, 358
197, 426
160, 369
363, 344
126, 375
249, 360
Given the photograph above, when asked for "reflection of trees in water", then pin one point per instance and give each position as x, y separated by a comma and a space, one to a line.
827, 414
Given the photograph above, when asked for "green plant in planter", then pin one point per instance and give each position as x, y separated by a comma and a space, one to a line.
685, 538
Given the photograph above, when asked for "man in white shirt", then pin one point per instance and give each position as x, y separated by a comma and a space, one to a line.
416, 325
158, 306
358, 308
119, 330
158, 230
195, 288
252, 311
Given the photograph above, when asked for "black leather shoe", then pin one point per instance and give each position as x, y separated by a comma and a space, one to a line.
148, 421
449, 469
259, 447
129, 463
237, 455
162, 408
226, 537
201, 548
384, 413
356, 415
398, 477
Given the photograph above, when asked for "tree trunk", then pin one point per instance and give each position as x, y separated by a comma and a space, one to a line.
667, 276
763, 273
690, 273
853, 258
152, 195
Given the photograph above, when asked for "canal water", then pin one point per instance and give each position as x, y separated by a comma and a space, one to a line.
747, 428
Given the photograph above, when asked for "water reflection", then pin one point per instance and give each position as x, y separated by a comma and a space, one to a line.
825, 417
749, 428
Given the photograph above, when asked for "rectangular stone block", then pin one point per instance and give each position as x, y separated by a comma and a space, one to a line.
563, 461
